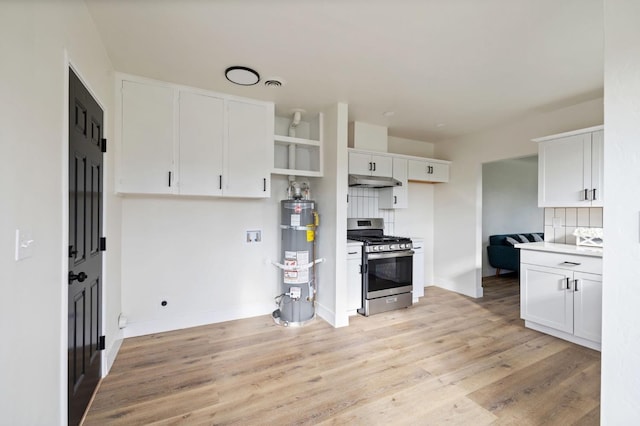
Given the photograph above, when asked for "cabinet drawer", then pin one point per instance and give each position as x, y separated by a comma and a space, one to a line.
588, 264
354, 251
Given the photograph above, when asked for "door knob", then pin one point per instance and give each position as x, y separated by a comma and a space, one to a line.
80, 277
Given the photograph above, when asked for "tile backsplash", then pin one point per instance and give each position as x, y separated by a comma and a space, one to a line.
363, 202
559, 223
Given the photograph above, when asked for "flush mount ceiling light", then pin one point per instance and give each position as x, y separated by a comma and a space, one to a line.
242, 75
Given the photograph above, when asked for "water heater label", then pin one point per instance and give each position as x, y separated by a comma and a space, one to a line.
295, 259
295, 220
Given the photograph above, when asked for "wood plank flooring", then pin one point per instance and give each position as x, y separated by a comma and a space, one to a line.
447, 359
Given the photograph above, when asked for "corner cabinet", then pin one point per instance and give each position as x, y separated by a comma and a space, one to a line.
186, 141
561, 295
299, 155
570, 169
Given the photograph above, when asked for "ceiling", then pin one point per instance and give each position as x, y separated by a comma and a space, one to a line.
444, 67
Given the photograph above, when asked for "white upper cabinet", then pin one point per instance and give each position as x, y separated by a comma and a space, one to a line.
201, 143
428, 171
366, 164
249, 150
178, 140
147, 139
570, 169
398, 196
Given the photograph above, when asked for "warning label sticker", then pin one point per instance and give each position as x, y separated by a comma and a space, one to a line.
294, 259
295, 220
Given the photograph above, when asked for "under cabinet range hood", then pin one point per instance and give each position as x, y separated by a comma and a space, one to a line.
363, 181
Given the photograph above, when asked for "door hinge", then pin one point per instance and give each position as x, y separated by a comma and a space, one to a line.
72, 252
103, 145
101, 343
103, 243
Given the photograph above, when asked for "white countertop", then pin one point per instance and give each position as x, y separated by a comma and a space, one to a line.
562, 248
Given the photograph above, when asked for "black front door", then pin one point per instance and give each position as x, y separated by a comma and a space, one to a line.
85, 254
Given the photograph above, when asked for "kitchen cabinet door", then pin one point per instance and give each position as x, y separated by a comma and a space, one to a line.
248, 150
545, 298
587, 297
570, 170
418, 269
354, 279
428, 171
398, 196
147, 143
201, 144
370, 165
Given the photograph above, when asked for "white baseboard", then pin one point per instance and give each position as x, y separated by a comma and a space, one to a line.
326, 314
111, 355
196, 319
562, 335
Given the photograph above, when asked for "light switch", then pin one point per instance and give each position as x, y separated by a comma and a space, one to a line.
24, 244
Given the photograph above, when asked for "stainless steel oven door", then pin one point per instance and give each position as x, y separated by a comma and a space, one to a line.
388, 273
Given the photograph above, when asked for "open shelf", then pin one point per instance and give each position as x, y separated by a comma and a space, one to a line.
305, 147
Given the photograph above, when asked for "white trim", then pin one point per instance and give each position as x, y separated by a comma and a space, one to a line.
326, 314
571, 133
112, 352
195, 319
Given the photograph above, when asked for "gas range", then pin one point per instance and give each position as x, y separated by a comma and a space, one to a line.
387, 264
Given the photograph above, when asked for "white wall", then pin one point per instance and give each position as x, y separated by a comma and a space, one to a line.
331, 194
621, 298
34, 150
458, 204
192, 253
509, 201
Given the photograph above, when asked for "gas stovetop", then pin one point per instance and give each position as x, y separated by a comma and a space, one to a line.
371, 233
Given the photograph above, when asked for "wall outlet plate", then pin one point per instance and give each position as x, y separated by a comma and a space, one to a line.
254, 236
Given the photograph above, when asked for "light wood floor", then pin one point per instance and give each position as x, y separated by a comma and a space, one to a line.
448, 359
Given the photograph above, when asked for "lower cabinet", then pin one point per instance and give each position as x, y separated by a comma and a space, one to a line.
559, 298
418, 268
354, 278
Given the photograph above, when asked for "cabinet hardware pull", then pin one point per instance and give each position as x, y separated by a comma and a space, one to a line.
395, 199
568, 286
586, 198
353, 252
575, 285
374, 166
220, 181
571, 263
593, 196
264, 184
169, 179
370, 166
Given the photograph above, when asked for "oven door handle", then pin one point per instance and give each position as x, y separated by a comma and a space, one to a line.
374, 256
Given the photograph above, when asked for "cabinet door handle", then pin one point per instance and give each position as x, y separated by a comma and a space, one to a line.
571, 263
395, 199
575, 285
220, 181
169, 179
374, 166
568, 284
586, 197
593, 195
264, 184
370, 166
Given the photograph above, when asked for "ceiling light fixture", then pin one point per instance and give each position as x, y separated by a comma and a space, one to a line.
242, 75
